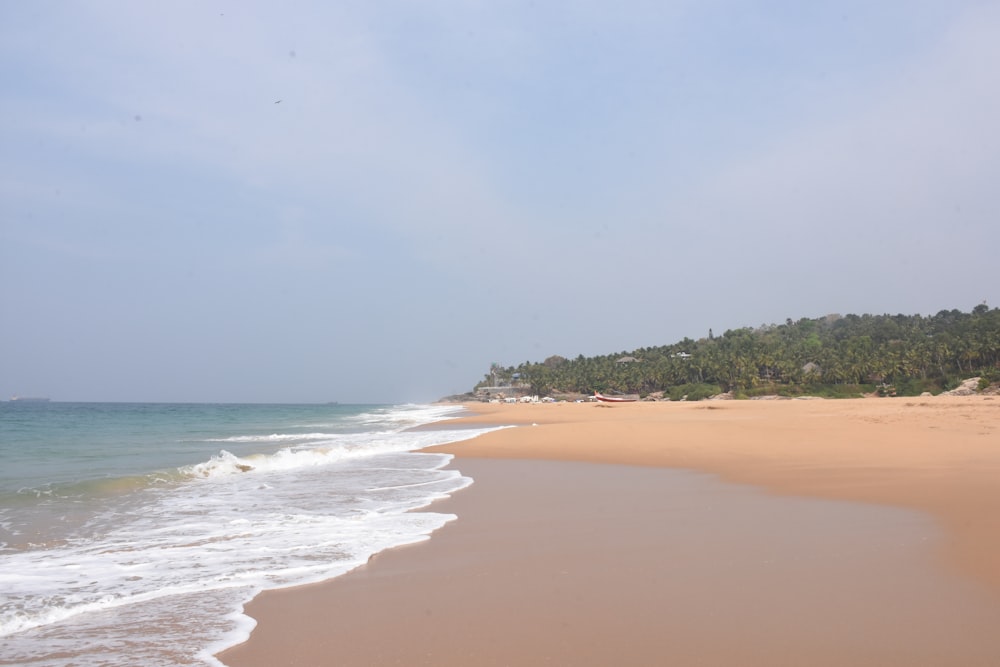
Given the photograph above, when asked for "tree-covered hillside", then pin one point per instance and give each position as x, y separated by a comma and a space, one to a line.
829, 356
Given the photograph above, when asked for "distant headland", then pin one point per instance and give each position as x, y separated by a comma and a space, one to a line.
834, 356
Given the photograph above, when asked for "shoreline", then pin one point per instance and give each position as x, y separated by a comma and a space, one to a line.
937, 455
932, 458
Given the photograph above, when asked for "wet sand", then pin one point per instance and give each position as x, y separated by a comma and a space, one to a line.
825, 533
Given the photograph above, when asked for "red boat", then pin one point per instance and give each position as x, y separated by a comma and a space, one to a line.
613, 399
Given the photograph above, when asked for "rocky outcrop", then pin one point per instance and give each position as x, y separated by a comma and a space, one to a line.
968, 387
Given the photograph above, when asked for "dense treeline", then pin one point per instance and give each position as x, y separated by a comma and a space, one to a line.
828, 356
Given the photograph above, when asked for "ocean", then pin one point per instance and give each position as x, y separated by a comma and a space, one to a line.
134, 533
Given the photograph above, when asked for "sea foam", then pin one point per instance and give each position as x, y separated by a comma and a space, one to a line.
185, 554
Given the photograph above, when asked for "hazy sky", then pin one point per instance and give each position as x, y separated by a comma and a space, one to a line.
372, 201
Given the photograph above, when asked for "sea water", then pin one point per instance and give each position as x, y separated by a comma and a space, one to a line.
134, 533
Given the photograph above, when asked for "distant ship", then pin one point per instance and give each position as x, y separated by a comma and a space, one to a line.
29, 399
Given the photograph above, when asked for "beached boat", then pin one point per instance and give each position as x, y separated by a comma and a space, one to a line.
614, 399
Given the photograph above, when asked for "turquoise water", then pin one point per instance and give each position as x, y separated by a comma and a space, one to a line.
45, 446
133, 533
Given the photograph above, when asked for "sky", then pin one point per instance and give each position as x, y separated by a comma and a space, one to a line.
373, 201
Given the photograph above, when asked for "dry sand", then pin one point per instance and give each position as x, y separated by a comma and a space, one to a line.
566, 562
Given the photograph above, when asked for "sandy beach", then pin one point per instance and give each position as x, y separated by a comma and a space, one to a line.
861, 532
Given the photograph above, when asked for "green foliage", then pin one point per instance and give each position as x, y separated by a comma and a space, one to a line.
950, 382
693, 392
833, 356
785, 390
916, 386
839, 390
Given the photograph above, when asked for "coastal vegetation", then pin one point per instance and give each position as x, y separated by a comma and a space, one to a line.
831, 356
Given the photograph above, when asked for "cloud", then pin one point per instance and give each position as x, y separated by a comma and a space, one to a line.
875, 187
479, 181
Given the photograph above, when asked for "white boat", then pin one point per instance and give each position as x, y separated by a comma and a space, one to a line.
613, 399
